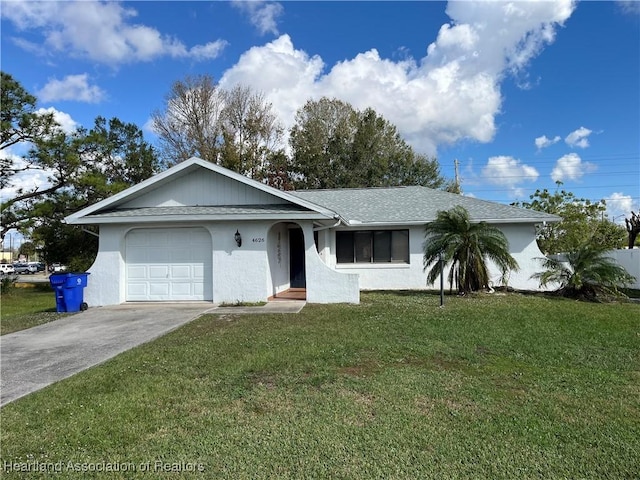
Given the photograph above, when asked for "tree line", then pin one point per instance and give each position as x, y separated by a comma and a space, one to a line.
330, 145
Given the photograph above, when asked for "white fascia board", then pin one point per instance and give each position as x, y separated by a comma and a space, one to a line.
195, 218
551, 219
75, 218
128, 192
358, 224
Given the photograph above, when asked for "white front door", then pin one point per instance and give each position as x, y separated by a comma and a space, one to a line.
168, 264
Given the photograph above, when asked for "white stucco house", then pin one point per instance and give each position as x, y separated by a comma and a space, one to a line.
200, 232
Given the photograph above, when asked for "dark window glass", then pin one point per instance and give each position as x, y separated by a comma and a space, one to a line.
382, 246
366, 246
363, 246
344, 247
400, 246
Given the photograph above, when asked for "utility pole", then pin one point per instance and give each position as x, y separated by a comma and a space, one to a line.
457, 177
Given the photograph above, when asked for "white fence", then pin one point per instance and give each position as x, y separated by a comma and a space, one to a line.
630, 260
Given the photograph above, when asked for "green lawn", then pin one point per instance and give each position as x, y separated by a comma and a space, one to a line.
493, 386
27, 306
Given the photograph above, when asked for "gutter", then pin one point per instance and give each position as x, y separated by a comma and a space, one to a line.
92, 233
326, 227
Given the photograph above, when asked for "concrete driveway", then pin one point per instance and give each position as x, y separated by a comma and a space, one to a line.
34, 358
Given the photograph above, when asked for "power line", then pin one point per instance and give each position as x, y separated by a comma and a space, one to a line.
595, 187
529, 176
585, 158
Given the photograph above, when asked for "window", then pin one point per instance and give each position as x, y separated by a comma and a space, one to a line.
373, 246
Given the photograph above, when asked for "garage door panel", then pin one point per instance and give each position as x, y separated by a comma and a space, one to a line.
181, 289
181, 257
136, 272
158, 271
136, 289
181, 272
198, 271
169, 264
154, 254
180, 236
159, 289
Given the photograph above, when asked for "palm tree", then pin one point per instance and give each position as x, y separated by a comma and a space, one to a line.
453, 238
584, 273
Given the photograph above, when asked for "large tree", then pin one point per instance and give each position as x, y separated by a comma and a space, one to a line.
75, 169
251, 132
333, 145
582, 221
234, 128
21, 124
632, 226
190, 123
20, 121
82, 167
452, 238
106, 159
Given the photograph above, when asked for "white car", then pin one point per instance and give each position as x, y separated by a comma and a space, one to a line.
57, 268
6, 268
25, 268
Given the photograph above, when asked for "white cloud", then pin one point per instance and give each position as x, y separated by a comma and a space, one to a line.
571, 167
100, 31
67, 124
206, 52
544, 142
71, 87
23, 181
263, 15
620, 206
451, 94
148, 128
578, 138
630, 7
33, 178
509, 172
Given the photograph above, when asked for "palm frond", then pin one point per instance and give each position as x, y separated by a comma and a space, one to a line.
586, 273
465, 246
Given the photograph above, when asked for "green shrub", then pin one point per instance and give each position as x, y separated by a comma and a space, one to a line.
7, 283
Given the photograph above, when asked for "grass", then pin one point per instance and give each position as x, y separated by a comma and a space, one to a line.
490, 386
27, 305
239, 303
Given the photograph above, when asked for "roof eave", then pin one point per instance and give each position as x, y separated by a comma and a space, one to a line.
355, 223
132, 191
89, 220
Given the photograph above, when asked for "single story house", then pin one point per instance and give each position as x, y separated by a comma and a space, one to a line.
200, 232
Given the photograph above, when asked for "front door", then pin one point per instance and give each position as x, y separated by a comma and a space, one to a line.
296, 259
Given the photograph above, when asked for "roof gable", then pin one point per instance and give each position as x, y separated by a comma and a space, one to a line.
194, 183
202, 187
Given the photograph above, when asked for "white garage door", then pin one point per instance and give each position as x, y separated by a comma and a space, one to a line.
168, 264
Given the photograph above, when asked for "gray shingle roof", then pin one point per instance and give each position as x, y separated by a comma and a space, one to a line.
415, 204
214, 211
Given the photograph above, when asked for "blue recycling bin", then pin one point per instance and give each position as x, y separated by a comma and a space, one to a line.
69, 289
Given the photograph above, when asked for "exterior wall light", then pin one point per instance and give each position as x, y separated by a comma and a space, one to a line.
238, 238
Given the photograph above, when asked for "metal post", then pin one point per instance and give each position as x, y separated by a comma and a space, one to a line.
441, 281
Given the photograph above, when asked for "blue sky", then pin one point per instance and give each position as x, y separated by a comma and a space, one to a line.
523, 94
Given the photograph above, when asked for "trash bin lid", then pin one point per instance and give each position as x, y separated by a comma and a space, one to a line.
58, 279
